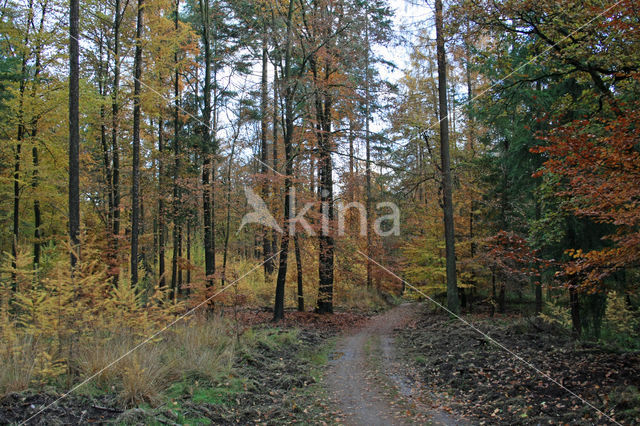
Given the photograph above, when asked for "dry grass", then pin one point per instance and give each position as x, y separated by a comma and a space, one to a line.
93, 356
202, 347
145, 374
18, 365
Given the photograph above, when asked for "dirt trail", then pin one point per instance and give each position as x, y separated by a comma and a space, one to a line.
369, 384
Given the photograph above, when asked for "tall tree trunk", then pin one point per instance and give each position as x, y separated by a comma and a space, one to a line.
266, 242
368, 155
228, 219
74, 130
115, 152
180, 247
209, 251
289, 92
106, 158
37, 215
188, 256
162, 228
135, 175
449, 234
18, 152
176, 164
274, 150
326, 242
296, 243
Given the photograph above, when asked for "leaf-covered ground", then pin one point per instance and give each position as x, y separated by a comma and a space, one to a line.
490, 385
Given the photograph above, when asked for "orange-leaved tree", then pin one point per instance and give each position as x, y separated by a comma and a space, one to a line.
600, 163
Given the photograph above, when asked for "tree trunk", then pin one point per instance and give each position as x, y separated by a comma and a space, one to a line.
228, 219
209, 250
538, 298
574, 303
449, 233
18, 153
368, 155
176, 164
74, 131
188, 256
37, 216
502, 305
296, 243
180, 247
162, 228
115, 152
274, 152
326, 242
266, 243
289, 92
135, 171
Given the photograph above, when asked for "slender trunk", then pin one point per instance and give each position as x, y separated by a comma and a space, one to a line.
37, 216
180, 247
289, 92
115, 152
274, 151
368, 155
176, 164
162, 228
209, 251
296, 243
174, 260
470, 143
74, 130
449, 234
18, 153
228, 219
135, 175
266, 243
188, 256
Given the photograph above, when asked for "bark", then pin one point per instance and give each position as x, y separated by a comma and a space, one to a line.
324, 104
206, 140
296, 243
176, 165
289, 92
135, 175
574, 304
449, 234
37, 215
266, 243
74, 131
162, 228
115, 153
502, 305
18, 153
368, 155
180, 272
188, 256
228, 219
274, 151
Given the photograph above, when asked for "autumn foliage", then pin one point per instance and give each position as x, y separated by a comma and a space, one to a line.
599, 162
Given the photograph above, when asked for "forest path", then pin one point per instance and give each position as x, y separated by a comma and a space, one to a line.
369, 384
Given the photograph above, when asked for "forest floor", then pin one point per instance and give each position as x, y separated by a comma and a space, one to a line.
407, 365
491, 386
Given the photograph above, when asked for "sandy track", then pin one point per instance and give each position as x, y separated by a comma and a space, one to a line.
367, 383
